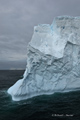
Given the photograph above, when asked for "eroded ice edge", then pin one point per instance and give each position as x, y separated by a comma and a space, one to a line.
53, 60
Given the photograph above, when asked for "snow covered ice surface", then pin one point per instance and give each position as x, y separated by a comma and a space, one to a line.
53, 60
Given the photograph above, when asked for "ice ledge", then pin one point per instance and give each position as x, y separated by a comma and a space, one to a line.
53, 61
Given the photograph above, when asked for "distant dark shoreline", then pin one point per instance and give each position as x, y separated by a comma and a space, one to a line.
12, 70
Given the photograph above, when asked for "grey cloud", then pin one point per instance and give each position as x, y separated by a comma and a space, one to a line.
17, 19
12, 65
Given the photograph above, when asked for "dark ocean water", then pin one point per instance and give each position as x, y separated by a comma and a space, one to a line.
59, 106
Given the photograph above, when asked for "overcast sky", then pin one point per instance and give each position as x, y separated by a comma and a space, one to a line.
17, 20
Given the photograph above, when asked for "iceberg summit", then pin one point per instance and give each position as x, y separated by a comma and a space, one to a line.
53, 60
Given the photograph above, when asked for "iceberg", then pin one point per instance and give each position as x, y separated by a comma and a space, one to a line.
53, 60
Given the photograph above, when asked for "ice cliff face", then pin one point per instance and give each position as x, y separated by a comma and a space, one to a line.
53, 60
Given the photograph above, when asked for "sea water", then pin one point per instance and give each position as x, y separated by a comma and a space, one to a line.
58, 106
